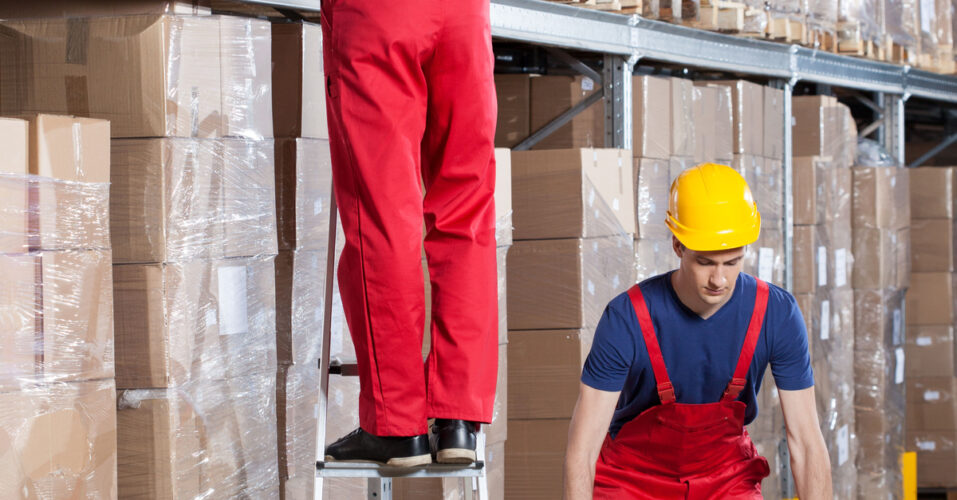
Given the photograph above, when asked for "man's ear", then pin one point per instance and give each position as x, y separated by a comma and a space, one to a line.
678, 247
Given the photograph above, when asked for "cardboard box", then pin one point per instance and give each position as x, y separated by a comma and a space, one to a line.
654, 257
69, 8
572, 193
932, 192
676, 165
566, 283
202, 320
69, 66
705, 120
208, 436
503, 197
300, 290
298, 81
805, 302
930, 351
18, 314
932, 403
932, 245
249, 198
805, 259
936, 457
297, 406
514, 109
245, 54
173, 200
553, 95
766, 180
875, 258
878, 323
682, 117
765, 257
807, 173
881, 197
773, 123
60, 441
651, 197
838, 197
303, 193
930, 299
812, 132
535, 454
747, 100
651, 118
14, 211
724, 125
66, 151
545, 368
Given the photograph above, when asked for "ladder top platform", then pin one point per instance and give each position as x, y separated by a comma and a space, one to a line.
361, 469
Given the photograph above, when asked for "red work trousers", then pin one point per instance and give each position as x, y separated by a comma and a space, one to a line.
411, 97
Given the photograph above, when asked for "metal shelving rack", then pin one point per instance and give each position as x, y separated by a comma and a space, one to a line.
625, 40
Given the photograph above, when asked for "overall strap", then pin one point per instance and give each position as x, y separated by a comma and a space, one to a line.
750, 341
666, 391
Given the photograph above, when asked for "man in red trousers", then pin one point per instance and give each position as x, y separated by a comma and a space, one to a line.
411, 98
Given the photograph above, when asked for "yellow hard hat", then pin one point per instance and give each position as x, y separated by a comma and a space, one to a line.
711, 208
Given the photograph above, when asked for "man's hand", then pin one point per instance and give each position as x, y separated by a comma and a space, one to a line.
586, 433
810, 463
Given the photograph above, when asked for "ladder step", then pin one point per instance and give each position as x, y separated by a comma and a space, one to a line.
361, 469
344, 368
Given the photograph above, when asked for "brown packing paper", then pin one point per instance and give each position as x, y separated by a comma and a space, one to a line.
162, 90
207, 438
572, 193
202, 320
514, 109
552, 96
544, 371
566, 283
298, 81
59, 440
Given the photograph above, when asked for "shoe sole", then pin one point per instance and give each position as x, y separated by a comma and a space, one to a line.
414, 461
455, 456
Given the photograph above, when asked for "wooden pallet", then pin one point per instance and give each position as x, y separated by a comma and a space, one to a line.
900, 54
851, 42
821, 38
785, 29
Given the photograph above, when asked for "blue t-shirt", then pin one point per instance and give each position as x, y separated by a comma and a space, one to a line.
700, 354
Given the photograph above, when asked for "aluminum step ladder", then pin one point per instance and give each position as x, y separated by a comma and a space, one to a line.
379, 476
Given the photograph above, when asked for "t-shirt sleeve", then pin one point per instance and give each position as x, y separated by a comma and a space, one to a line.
612, 353
790, 359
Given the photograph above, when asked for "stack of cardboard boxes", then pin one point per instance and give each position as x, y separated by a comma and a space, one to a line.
193, 219
824, 149
57, 392
881, 222
574, 223
303, 195
930, 373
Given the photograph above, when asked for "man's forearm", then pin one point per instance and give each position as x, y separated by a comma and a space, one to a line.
812, 473
579, 478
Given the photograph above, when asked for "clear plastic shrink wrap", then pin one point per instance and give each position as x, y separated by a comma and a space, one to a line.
177, 200
203, 439
57, 395
860, 21
58, 440
298, 82
182, 76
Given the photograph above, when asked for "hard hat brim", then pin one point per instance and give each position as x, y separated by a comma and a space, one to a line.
707, 241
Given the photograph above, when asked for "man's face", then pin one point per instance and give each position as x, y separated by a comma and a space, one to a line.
711, 274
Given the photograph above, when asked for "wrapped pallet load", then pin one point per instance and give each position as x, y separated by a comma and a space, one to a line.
57, 392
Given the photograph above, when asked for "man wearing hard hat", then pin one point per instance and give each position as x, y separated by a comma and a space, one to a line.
677, 362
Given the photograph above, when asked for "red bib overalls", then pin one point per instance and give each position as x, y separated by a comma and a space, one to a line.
688, 451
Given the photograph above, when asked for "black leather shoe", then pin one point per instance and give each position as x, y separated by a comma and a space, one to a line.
453, 441
360, 446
